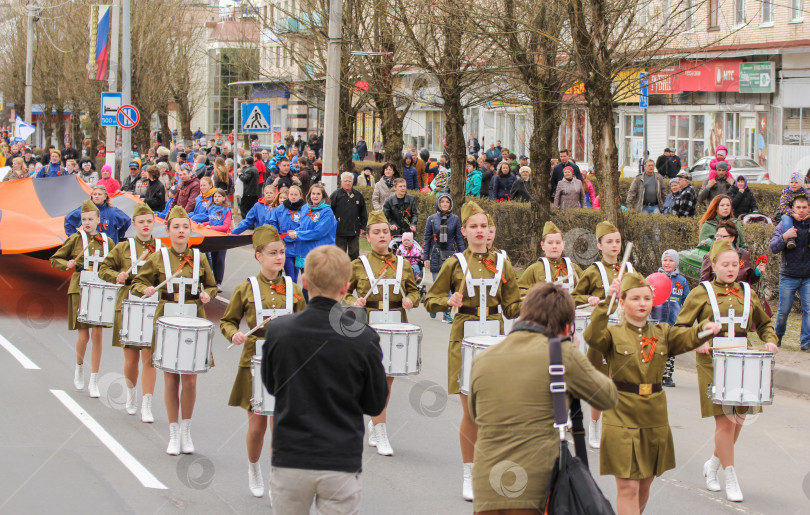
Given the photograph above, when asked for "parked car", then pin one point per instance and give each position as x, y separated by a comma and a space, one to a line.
740, 165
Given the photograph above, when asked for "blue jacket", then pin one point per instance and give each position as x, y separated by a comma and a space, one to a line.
455, 240
273, 165
114, 223
200, 213
284, 220
794, 261
217, 215
258, 215
51, 170
410, 174
667, 312
163, 214
318, 226
501, 186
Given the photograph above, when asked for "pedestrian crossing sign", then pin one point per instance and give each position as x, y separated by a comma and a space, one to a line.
255, 117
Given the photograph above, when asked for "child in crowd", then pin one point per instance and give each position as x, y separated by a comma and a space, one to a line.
667, 312
789, 194
411, 251
219, 219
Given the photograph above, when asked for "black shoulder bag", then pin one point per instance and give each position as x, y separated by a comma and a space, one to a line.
571, 489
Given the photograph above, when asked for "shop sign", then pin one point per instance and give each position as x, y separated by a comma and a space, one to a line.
757, 77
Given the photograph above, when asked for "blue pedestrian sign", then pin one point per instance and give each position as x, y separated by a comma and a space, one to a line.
110, 104
643, 98
256, 117
127, 117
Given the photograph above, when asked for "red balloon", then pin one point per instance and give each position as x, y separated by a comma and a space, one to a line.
661, 287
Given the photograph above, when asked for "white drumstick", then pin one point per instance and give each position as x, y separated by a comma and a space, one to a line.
259, 326
621, 272
709, 332
373, 285
463, 286
164, 283
135, 264
583, 306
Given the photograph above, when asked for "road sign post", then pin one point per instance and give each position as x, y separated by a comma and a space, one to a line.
110, 104
127, 116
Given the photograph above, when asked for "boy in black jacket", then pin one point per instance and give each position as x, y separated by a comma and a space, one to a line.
324, 368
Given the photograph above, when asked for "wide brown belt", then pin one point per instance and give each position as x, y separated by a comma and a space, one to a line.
377, 305
638, 389
465, 310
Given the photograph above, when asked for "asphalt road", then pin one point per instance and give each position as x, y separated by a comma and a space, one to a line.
65, 452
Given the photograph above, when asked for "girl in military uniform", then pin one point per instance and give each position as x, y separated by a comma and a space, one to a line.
270, 289
637, 429
479, 263
381, 263
181, 258
722, 295
118, 268
553, 267
590, 289
82, 251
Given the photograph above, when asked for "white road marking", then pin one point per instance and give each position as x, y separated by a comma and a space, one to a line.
18, 355
128, 460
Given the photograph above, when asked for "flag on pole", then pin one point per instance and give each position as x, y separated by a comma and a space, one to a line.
98, 59
22, 130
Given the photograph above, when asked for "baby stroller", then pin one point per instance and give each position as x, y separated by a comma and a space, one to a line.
417, 262
756, 218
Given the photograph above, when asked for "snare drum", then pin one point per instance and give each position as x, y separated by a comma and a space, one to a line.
401, 347
137, 322
742, 378
262, 403
582, 318
183, 345
471, 346
97, 302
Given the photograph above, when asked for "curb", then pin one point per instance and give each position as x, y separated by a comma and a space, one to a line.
784, 378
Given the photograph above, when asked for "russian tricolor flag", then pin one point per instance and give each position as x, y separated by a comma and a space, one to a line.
98, 65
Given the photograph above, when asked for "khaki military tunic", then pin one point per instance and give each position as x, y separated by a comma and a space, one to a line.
242, 305
152, 273
536, 273
450, 278
636, 437
117, 261
696, 308
361, 282
72, 249
590, 285
510, 402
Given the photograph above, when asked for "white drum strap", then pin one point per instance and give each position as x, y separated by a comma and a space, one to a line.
547, 266
369, 273
133, 254
194, 281
90, 263
603, 273
731, 319
569, 268
383, 282
398, 277
491, 283
261, 312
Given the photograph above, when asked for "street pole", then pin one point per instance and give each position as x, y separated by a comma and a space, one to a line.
332, 112
236, 131
109, 157
126, 79
29, 63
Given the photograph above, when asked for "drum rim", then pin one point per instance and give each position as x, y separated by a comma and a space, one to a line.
404, 327
743, 353
203, 322
472, 342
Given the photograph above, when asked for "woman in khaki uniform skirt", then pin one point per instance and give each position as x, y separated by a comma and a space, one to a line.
269, 252
383, 265
637, 437
153, 273
481, 265
729, 419
116, 268
70, 256
590, 290
510, 403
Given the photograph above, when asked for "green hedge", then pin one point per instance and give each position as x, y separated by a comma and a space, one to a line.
650, 234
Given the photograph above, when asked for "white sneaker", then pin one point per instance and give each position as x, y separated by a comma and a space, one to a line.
710, 469
92, 387
467, 486
255, 481
132, 405
146, 409
185, 437
371, 435
733, 492
595, 433
381, 440
78, 377
174, 439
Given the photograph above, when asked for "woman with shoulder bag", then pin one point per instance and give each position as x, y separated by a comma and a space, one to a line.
442, 239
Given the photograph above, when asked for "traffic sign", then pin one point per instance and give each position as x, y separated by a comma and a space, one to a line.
110, 103
643, 98
255, 117
127, 116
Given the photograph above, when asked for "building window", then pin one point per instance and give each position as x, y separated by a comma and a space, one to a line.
714, 14
633, 139
687, 135
796, 126
796, 10
767, 12
688, 13
732, 133
573, 134
434, 131
739, 13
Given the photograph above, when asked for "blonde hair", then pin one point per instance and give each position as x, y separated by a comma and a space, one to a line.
327, 269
